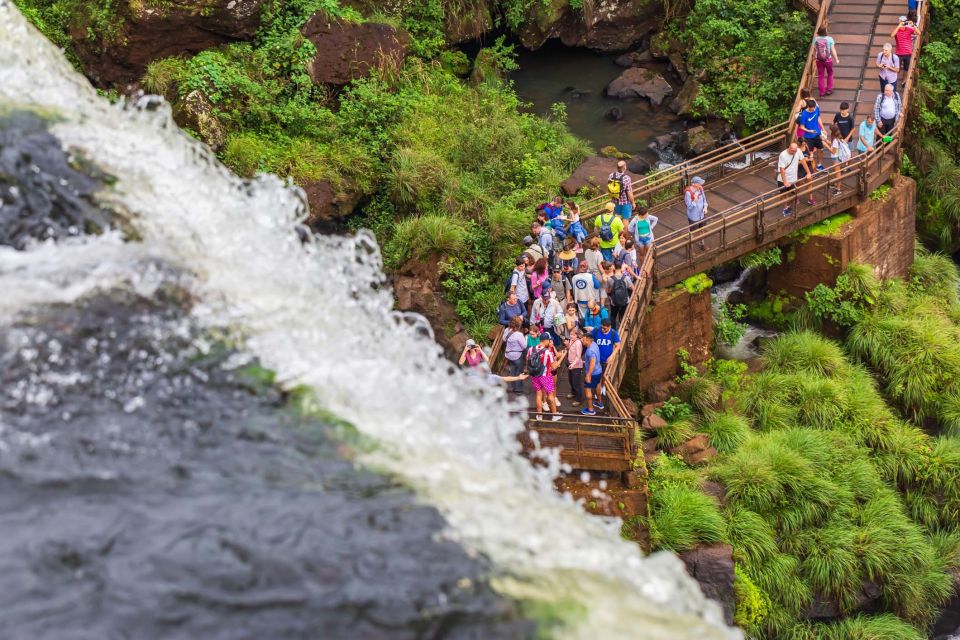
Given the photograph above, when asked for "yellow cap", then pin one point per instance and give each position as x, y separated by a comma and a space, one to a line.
610, 206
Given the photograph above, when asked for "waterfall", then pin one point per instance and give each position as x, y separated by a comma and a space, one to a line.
319, 314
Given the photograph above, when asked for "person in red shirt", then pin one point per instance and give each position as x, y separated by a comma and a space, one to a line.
903, 35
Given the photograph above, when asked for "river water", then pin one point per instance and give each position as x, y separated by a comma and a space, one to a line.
547, 75
152, 490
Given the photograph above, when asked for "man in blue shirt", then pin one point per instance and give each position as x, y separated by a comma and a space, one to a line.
812, 126
592, 374
606, 340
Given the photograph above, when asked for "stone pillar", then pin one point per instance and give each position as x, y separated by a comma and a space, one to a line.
674, 320
879, 233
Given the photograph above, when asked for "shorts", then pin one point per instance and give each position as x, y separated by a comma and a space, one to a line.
644, 241
784, 189
696, 224
594, 381
815, 142
542, 383
624, 210
607, 254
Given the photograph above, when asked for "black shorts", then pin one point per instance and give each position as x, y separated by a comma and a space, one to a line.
814, 143
784, 189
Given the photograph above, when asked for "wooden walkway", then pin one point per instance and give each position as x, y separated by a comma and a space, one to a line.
745, 208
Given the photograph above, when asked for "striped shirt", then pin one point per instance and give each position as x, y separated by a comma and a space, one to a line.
904, 38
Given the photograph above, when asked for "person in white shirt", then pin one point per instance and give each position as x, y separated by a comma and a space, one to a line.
788, 166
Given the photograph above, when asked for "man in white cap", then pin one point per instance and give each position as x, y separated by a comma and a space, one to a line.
695, 198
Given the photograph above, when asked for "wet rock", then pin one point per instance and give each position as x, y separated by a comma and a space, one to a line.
661, 45
611, 151
648, 409
640, 83
678, 64
614, 114
195, 112
682, 104
150, 31
650, 445
576, 94
417, 288
469, 22
597, 24
664, 141
760, 342
349, 50
633, 59
725, 273
592, 174
712, 567
638, 164
327, 203
697, 140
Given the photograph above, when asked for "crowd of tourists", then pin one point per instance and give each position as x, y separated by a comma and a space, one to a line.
819, 147
566, 297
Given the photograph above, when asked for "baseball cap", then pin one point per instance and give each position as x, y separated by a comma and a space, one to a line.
610, 206
697, 180
471, 343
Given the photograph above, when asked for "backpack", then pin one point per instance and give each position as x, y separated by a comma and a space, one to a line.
620, 292
535, 364
615, 185
606, 232
822, 46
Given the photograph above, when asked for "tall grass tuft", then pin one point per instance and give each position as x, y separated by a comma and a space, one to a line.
804, 351
726, 430
682, 517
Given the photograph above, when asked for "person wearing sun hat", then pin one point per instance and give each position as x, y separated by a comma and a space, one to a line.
568, 268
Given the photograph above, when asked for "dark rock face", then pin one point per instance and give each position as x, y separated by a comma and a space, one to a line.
593, 174
327, 203
180, 27
726, 273
697, 140
640, 83
614, 113
44, 193
633, 59
348, 50
638, 164
417, 288
682, 104
602, 25
712, 567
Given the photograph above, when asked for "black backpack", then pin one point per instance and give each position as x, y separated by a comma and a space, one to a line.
620, 292
535, 364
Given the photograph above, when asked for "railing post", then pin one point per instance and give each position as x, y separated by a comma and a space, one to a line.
758, 221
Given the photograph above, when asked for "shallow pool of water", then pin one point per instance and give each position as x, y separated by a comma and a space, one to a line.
547, 75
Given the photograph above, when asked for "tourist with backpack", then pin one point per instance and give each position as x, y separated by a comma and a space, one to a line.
533, 249
575, 227
844, 120
517, 282
541, 362
889, 65
510, 309
592, 374
695, 197
515, 351
887, 109
596, 314
608, 225
620, 187
593, 257
788, 171
538, 275
619, 289
825, 53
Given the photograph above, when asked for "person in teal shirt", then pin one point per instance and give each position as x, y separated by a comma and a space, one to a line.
867, 134
595, 315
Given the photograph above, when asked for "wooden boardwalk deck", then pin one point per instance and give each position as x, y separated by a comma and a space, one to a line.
745, 210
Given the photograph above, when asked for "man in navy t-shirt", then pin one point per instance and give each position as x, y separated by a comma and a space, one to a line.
606, 340
812, 126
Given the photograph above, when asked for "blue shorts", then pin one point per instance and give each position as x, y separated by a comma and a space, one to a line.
594, 381
624, 210
607, 254
644, 241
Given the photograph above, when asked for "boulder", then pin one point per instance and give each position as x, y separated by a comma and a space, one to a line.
637, 82
638, 164
715, 490
631, 406
469, 22
697, 140
485, 69
195, 112
327, 203
682, 104
696, 444
701, 457
600, 25
592, 174
650, 445
611, 151
349, 50
633, 59
149, 31
417, 288
661, 45
661, 391
653, 423
663, 141
648, 409
614, 114
678, 64
712, 567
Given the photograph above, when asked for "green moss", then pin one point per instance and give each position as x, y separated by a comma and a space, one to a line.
775, 311
825, 227
752, 604
696, 284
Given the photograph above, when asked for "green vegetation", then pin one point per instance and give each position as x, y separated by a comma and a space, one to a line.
769, 258
753, 52
825, 227
696, 283
680, 515
727, 328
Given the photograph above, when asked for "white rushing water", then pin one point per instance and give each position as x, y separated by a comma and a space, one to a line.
318, 315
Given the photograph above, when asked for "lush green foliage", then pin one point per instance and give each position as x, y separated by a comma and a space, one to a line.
753, 52
769, 258
674, 409
727, 327
727, 431
680, 515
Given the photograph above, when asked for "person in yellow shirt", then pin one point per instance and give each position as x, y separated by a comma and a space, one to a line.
608, 225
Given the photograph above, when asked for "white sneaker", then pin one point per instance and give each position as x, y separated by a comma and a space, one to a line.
556, 418
539, 417
558, 402
545, 406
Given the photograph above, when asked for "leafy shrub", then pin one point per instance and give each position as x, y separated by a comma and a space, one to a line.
727, 327
674, 409
697, 283
727, 431
681, 517
769, 258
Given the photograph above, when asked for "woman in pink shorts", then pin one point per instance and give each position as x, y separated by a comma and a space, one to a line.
541, 362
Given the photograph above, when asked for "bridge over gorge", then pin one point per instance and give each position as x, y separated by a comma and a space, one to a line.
745, 216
